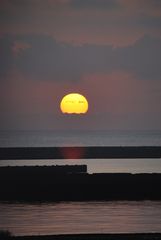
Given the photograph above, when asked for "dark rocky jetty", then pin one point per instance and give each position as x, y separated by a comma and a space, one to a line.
73, 183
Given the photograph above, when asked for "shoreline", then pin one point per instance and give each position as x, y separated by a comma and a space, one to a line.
108, 236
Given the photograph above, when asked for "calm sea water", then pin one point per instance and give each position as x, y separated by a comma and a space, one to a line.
81, 217
79, 138
87, 138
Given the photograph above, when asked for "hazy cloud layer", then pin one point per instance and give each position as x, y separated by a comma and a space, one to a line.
95, 4
41, 57
115, 22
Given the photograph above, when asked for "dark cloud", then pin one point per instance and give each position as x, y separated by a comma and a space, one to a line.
107, 4
45, 58
6, 55
153, 22
142, 59
48, 59
39, 11
27, 12
154, 3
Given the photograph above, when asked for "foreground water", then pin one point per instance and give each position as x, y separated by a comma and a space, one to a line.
81, 217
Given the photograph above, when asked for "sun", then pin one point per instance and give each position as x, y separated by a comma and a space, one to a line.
74, 103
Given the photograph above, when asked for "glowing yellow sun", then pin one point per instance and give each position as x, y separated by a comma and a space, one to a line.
74, 103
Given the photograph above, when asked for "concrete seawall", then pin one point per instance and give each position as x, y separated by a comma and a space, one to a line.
44, 184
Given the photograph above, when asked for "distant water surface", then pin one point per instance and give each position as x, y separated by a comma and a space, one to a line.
79, 138
87, 138
81, 217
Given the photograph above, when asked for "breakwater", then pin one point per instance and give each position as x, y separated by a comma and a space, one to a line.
46, 184
7, 153
121, 236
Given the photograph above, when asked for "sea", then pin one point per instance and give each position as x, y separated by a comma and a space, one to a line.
83, 217
86, 138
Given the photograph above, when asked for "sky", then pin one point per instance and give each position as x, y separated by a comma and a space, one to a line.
107, 50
